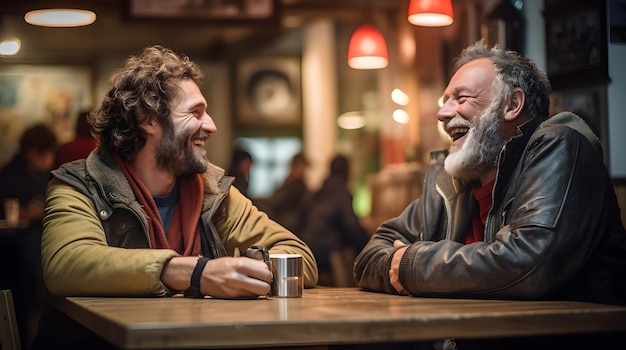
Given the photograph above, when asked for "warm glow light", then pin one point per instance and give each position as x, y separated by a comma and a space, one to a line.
400, 116
351, 120
431, 13
367, 49
10, 46
399, 97
60, 17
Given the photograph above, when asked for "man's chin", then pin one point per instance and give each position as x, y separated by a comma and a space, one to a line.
457, 167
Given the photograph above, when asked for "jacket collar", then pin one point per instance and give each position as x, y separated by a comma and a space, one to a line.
101, 166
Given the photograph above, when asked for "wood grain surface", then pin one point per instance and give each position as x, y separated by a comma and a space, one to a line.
327, 316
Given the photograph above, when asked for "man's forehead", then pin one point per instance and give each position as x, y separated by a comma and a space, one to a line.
477, 72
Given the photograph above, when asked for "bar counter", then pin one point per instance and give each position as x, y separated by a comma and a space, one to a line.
326, 316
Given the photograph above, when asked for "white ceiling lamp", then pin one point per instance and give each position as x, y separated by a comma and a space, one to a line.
60, 17
399, 97
10, 46
351, 120
400, 116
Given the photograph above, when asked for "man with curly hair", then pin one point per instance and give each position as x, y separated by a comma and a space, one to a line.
146, 214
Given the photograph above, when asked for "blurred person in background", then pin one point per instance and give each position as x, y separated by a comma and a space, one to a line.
289, 204
240, 164
333, 230
25, 177
82, 144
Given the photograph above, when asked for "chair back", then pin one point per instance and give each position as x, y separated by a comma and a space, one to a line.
9, 335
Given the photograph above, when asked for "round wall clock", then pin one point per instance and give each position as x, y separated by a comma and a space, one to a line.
270, 93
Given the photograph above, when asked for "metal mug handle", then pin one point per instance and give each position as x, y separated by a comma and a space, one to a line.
260, 253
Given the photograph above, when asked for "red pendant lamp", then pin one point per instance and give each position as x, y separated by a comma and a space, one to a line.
431, 13
367, 49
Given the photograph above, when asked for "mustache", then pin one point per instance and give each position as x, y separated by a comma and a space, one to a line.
458, 122
201, 134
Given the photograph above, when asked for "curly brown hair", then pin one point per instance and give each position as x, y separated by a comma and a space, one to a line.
142, 90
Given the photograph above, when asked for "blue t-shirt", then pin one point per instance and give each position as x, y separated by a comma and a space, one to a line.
166, 205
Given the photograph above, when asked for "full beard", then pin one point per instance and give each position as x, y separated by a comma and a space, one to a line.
176, 154
480, 151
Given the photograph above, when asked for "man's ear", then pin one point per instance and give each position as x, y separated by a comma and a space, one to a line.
515, 105
148, 125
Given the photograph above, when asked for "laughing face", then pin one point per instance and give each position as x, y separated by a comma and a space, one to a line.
473, 118
182, 147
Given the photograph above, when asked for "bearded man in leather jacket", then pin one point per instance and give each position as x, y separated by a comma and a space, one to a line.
146, 214
520, 207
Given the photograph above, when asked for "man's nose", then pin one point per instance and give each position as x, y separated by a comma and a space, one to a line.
208, 124
447, 110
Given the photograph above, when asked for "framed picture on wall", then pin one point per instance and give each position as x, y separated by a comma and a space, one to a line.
589, 103
210, 11
268, 92
576, 43
47, 94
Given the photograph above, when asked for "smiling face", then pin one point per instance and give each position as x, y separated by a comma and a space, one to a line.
473, 118
182, 147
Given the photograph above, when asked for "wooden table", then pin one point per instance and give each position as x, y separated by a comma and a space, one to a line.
327, 316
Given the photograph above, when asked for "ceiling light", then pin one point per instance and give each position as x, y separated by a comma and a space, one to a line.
10, 47
399, 97
431, 13
351, 120
60, 17
367, 49
400, 116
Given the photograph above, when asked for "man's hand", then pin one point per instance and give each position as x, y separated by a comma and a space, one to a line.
394, 272
240, 277
227, 277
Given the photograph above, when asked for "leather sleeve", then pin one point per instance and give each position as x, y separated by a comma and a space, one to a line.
544, 231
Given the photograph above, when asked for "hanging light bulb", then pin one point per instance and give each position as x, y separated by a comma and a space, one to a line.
431, 13
367, 49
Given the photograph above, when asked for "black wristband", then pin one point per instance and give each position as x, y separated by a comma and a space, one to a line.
194, 289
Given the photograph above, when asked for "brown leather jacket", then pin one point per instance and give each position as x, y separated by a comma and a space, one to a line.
554, 231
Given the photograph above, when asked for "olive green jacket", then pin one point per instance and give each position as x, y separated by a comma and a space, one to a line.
93, 218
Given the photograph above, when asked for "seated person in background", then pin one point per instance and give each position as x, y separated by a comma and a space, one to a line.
332, 229
520, 207
82, 144
25, 177
289, 204
239, 168
146, 209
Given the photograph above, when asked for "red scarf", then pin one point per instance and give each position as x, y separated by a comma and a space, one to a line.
183, 234
485, 202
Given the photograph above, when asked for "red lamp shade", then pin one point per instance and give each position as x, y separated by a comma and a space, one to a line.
431, 13
367, 49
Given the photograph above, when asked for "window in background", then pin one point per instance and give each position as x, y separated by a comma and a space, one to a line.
272, 157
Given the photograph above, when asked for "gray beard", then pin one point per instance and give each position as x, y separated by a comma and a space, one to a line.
480, 151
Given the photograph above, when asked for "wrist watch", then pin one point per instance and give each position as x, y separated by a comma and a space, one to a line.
196, 276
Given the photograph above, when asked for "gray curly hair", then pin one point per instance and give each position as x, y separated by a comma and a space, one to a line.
513, 70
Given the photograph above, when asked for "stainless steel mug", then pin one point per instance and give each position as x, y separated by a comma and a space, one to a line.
288, 275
